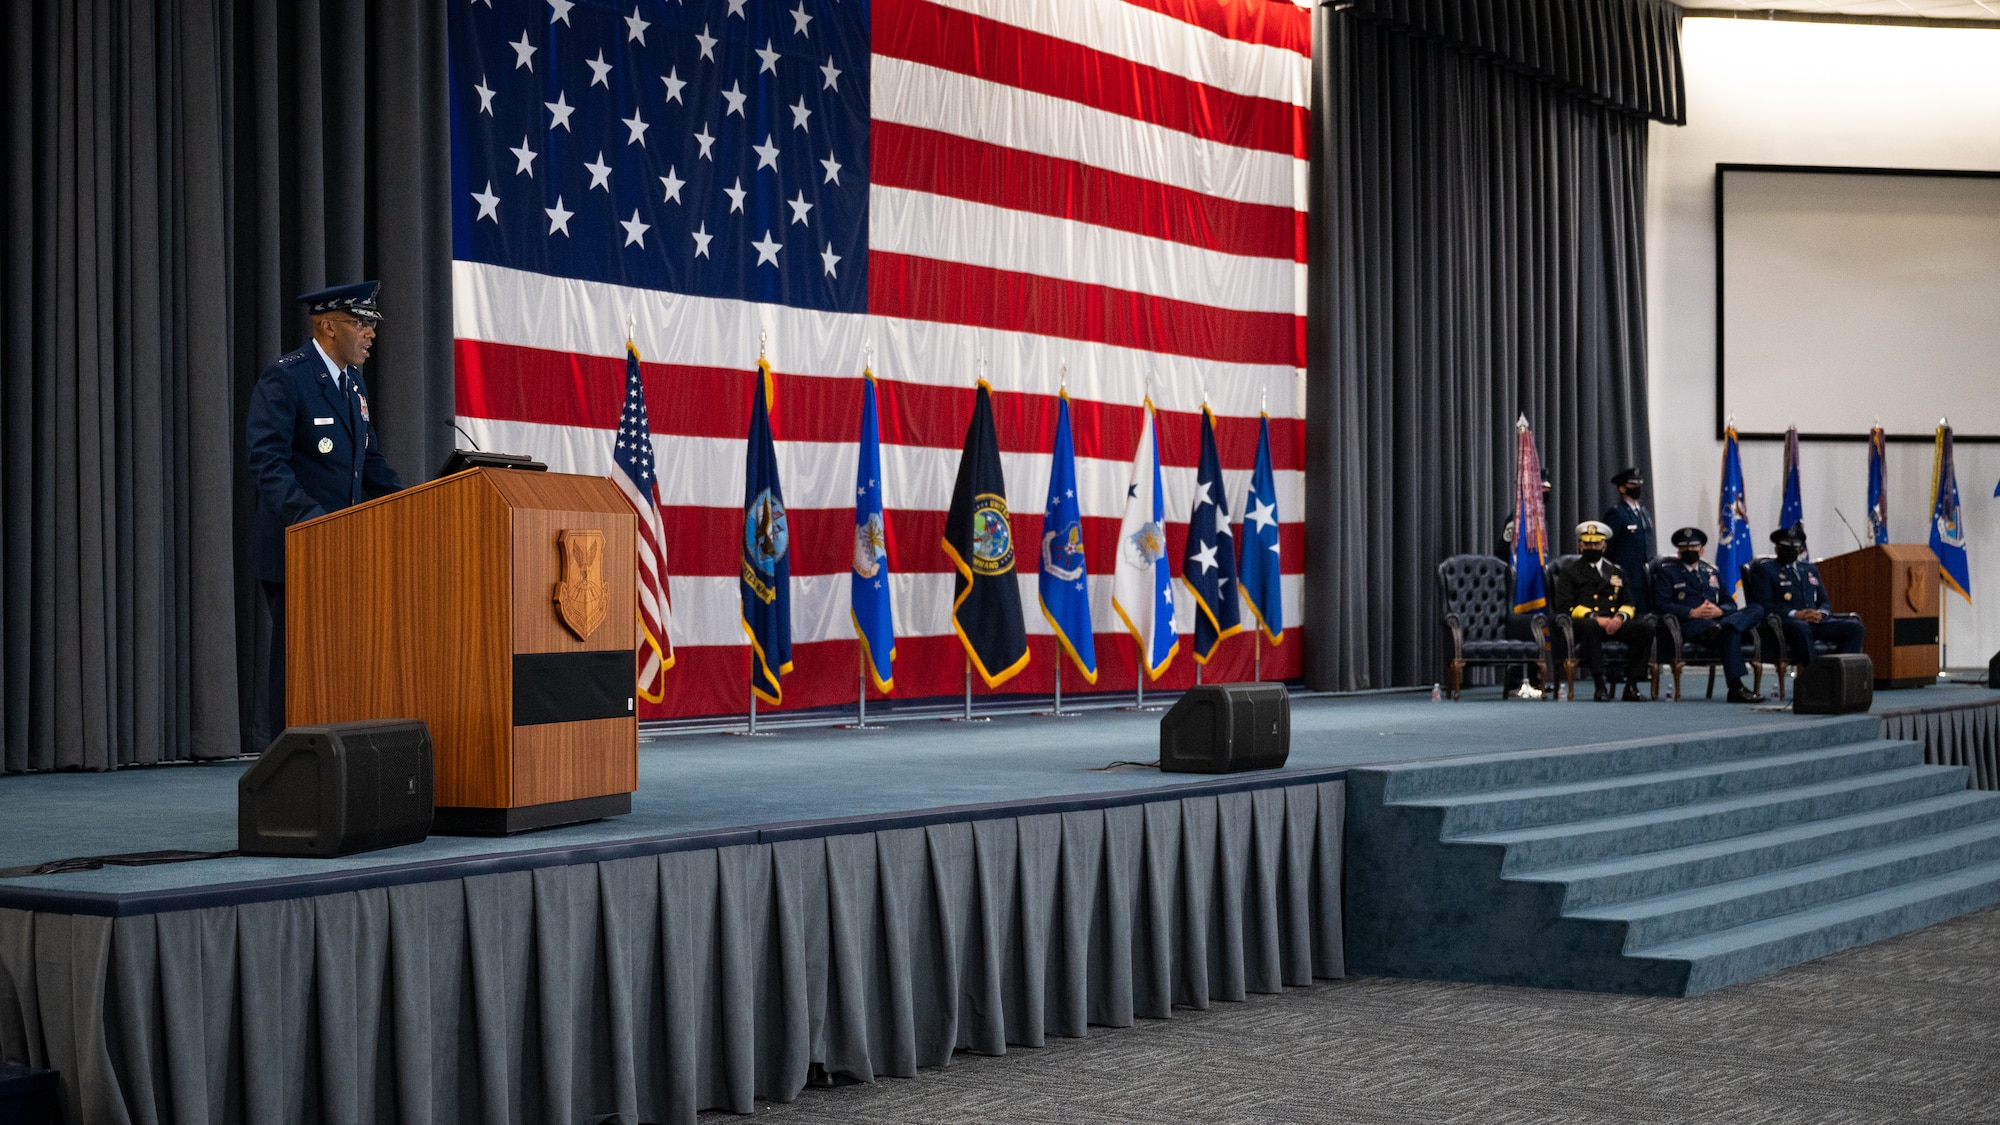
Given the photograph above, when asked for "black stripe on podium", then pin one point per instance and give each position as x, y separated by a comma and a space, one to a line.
569, 687
1916, 631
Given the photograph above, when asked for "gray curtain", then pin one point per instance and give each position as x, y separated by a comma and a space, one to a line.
1966, 735
177, 172
1477, 253
652, 987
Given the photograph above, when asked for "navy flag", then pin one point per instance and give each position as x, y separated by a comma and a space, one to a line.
1208, 567
767, 557
986, 606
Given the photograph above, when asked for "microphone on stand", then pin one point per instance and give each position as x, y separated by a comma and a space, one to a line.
466, 436
1858, 544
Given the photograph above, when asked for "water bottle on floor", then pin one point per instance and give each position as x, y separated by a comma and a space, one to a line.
1437, 693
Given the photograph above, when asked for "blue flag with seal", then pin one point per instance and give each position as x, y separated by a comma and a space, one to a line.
874, 619
1878, 486
1733, 547
1262, 587
1947, 531
1141, 582
986, 606
1064, 582
1531, 526
1792, 511
1208, 563
766, 578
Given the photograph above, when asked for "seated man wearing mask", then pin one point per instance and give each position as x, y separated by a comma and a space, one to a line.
1594, 594
1790, 587
1691, 590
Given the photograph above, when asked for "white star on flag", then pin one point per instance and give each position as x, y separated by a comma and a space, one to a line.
767, 251
600, 173
489, 204
524, 159
524, 53
635, 231
638, 127
707, 43
675, 84
636, 27
770, 58
485, 97
767, 153
1206, 557
735, 97
833, 74
735, 195
799, 208
829, 259
673, 185
832, 167
800, 113
707, 142
1262, 514
600, 71
560, 109
562, 8
558, 218
701, 239
800, 19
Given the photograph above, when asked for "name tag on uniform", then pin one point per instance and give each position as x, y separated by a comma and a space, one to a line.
322, 421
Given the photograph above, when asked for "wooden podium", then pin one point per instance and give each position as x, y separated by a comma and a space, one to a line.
497, 605
1894, 588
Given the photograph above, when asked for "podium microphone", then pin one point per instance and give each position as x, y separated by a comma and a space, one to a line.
1858, 544
466, 436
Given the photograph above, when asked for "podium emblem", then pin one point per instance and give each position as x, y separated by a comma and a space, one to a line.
581, 599
1918, 590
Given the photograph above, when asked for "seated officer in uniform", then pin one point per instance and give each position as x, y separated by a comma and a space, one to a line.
1691, 590
1595, 595
1790, 587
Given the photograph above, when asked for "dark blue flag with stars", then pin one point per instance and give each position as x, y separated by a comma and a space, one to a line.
712, 147
1208, 566
767, 556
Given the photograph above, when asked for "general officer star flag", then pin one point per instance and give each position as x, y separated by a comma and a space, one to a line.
1208, 564
1263, 586
766, 577
978, 537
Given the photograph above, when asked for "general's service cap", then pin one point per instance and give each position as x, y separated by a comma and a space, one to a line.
1690, 537
357, 299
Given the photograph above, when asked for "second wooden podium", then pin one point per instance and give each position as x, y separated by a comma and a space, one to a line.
1895, 590
497, 605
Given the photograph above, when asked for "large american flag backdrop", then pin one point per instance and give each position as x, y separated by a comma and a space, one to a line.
1115, 188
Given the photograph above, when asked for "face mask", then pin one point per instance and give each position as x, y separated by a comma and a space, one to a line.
1691, 555
1787, 553
1591, 555
1634, 492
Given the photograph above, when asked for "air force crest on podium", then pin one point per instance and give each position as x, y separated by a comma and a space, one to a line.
581, 597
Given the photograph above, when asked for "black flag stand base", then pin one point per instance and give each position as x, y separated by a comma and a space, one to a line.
751, 730
1057, 711
1139, 682
1257, 661
968, 717
861, 704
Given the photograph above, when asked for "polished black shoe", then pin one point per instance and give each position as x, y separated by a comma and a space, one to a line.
1603, 693
1632, 694
1740, 694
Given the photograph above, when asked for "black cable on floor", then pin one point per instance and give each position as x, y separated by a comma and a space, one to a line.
97, 862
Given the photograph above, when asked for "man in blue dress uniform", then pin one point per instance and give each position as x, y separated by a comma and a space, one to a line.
312, 449
1691, 590
1790, 587
1632, 542
1594, 594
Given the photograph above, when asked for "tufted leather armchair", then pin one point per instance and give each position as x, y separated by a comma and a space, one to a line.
1703, 653
1477, 593
1614, 649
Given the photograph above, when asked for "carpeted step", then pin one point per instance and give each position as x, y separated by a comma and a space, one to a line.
1656, 830
1670, 918
1741, 857
1486, 773
1760, 948
1536, 806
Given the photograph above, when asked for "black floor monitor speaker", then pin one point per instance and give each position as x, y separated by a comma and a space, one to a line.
1835, 685
338, 789
1993, 671
1223, 728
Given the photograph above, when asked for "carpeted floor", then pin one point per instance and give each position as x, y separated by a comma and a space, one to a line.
1904, 1031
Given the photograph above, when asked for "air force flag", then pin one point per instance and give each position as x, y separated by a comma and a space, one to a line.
868, 588
1065, 580
1947, 529
1208, 565
1733, 547
1142, 581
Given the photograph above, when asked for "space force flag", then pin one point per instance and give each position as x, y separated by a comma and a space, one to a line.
1947, 532
1260, 581
766, 577
1208, 564
986, 602
1878, 486
874, 622
1142, 584
1064, 581
1733, 547
1531, 526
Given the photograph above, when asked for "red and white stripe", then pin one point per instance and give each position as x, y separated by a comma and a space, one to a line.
1114, 187
656, 647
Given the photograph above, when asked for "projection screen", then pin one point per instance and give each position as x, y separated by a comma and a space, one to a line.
1852, 296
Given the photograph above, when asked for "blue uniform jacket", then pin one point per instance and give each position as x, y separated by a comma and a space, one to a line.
1680, 589
1780, 589
311, 451
1632, 545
